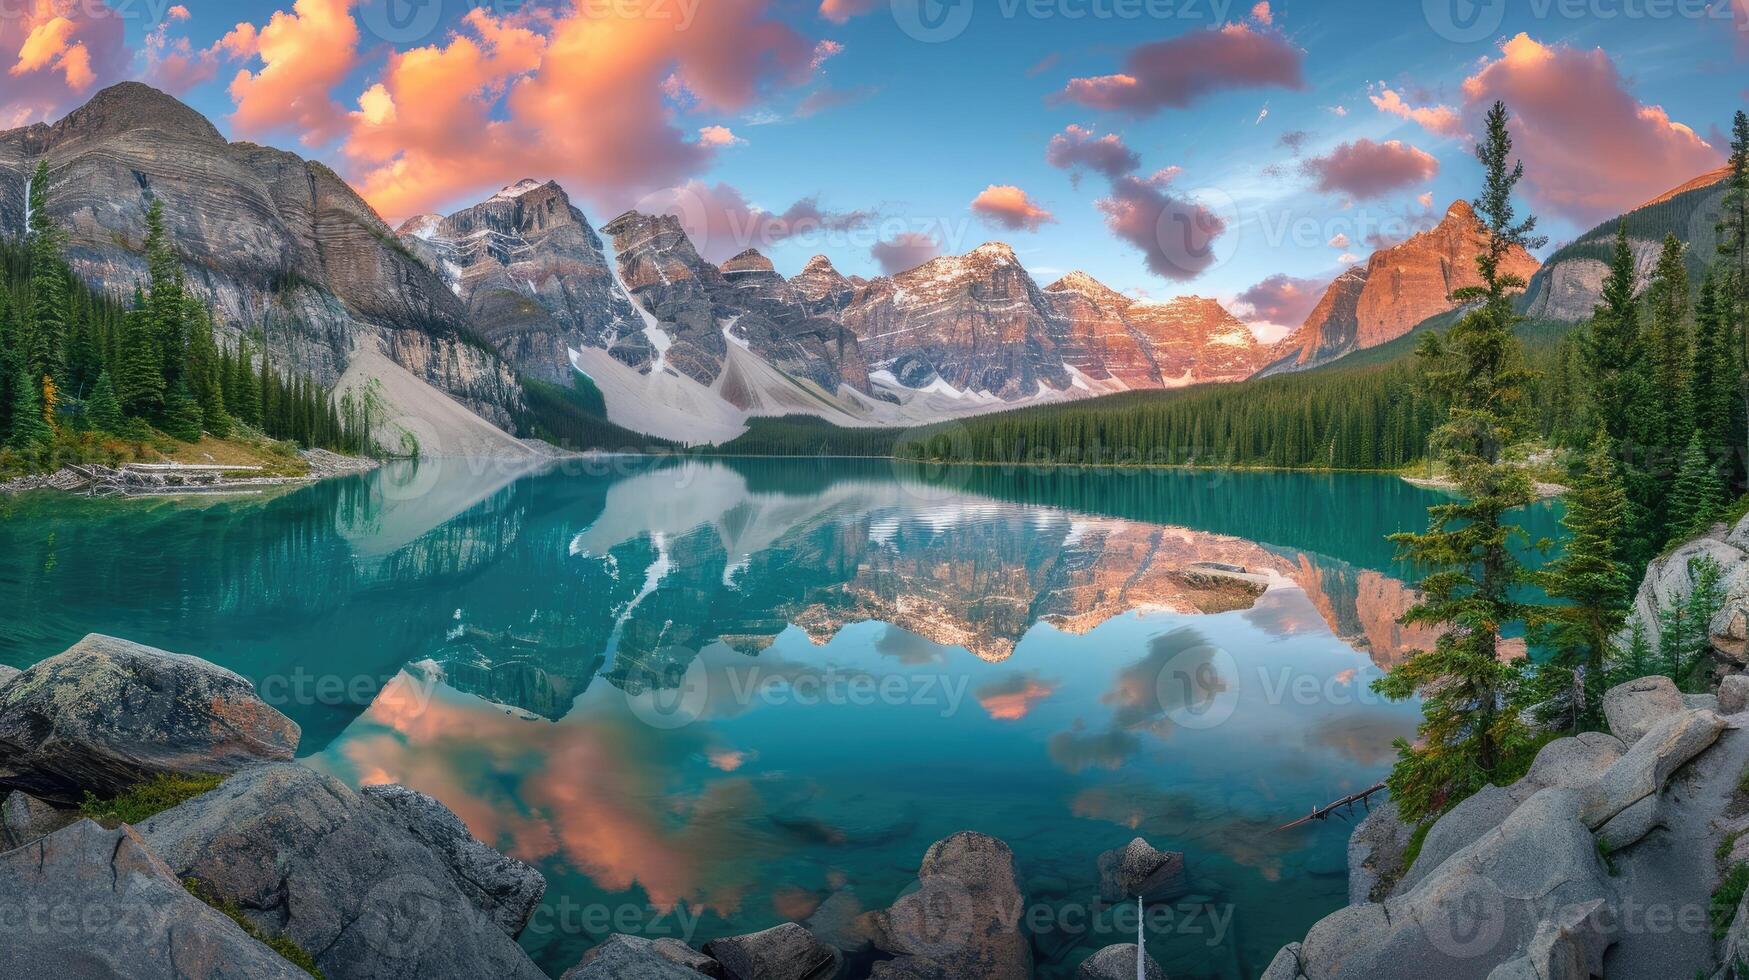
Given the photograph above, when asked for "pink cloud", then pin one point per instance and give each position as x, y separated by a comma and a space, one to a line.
906, 250
1176, 73
1439, 119
721, 222
1262, 14
1590, 148
55, 55
172, 64
1076, 147
1013, 698
1176, 236
825, 51
840, 11
536, 93
1367, 169
719, 136
823, 99
1010, 207
1283, 299
304, 55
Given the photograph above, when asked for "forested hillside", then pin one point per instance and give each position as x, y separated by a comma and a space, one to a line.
85, 377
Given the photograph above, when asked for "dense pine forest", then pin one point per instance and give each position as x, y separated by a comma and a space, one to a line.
85, 377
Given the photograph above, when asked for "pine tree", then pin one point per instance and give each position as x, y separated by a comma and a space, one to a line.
164, 309
1734, 214
182, 416
49, 301
205, 371
243, 394
11, 358
1713, 376
103, 409
1471, 734
1612, 346
1669, 349
139, 380
31, 436
1596, 588
1698, 497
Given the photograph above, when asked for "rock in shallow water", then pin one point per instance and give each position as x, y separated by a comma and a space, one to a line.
623, 957
108, 714
341, 875
962, 921
109, 909
786, 952
1118, 963
1137, 870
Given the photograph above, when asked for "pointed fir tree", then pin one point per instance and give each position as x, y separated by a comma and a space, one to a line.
11, 358
1713, 376
31, 436
1595, 590
1734, 213
1471, 733
182, 416
139, 379
1698, 497
164, 308
1669, 350
49, 299
1611, 346
103, 409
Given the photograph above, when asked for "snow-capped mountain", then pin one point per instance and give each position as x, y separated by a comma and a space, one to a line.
533, 275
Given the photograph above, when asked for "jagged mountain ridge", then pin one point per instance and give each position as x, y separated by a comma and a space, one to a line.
533, 275
277, 245
1398, 288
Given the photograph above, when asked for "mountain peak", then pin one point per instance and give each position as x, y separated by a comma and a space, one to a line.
1460, 210
1000, 251
750, 260
820, 265
523, 187
128, 106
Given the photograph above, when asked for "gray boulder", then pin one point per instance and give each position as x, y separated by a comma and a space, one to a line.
341, 875
1632, 708
1668, 581
107, 714
1285, 966
623, 957
1734, 694
25, 818
786, 952
7, 674
1119, 963
502, 887
1646, 767
94, 904
1137, 870
1460, 827
963, 919
1375, 852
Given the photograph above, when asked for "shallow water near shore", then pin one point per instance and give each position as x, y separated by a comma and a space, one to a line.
708, 697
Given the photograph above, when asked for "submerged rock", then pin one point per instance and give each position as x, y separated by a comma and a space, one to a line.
1119, 963
786, 952
1137, 870
110, 909
500, 886
1375, 853
962, 921
340, 874
108, 714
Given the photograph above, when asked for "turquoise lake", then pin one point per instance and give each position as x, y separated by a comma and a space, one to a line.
704, 698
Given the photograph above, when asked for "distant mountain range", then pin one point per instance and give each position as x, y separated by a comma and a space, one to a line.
455, 309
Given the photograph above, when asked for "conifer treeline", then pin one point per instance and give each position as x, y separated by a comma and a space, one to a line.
76, 365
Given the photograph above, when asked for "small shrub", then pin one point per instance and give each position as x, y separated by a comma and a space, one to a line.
151, 797
1726, 899
288, 950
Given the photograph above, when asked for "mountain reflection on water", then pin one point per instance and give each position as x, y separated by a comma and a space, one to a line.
711, 697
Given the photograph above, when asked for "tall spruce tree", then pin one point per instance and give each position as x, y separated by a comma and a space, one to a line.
1698, 497
103, 409
1471, 733
1713, 376
31, 436
164, 308
49, 299
1733, 248
1596, 590
1612, 346
1669, 417
139, 377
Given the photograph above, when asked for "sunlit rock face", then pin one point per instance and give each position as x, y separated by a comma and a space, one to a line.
275, 243
1399, 287
532, 273
696, 311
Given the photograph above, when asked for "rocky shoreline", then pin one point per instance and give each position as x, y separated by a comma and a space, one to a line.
269, 869
173, 480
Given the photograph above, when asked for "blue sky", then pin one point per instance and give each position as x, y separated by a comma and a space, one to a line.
887, 135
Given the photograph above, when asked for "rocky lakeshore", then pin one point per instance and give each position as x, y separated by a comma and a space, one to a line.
157, 826
174, 479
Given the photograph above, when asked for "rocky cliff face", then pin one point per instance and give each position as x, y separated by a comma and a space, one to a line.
532, 273
277, 244
1097, 339
697, 310
1192, 340
972, 323
823, 289
1400, 287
